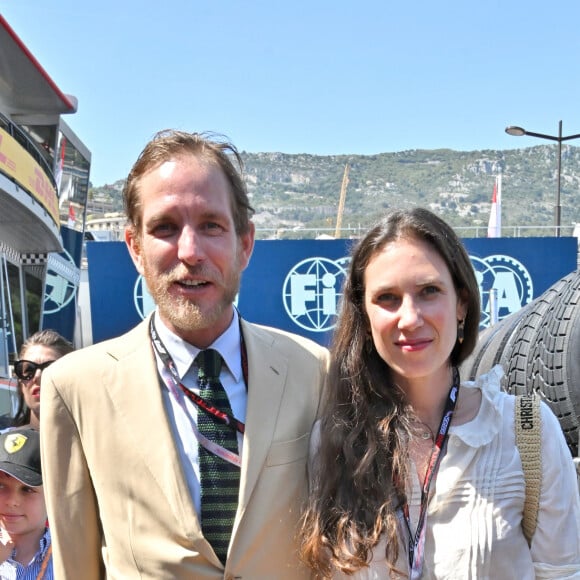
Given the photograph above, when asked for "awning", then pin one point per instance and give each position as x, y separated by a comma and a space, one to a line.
26, 87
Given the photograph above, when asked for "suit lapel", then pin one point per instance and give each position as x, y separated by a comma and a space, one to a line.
267, 371
133, 385
137, 393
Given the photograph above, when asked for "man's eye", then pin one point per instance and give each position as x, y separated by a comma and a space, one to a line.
213, 226
162, 229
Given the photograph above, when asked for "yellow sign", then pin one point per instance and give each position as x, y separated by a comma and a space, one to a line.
18, 164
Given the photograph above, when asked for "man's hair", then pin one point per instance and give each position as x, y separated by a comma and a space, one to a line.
172, 144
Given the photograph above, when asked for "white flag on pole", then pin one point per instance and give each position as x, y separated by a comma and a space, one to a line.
494, 226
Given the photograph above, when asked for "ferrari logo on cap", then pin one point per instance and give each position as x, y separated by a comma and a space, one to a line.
14, 443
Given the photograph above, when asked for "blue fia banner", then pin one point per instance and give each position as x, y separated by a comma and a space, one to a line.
296, 285
62, 284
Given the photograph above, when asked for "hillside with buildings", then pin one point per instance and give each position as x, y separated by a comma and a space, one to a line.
298, 195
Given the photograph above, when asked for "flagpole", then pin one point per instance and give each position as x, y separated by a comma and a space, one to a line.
498, 209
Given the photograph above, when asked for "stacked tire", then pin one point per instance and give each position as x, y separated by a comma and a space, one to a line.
539, 350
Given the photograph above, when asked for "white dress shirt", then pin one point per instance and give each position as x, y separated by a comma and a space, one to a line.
182, 412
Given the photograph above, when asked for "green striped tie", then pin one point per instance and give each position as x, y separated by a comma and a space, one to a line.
220, 479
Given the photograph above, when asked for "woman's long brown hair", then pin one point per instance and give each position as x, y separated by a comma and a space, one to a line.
361, 465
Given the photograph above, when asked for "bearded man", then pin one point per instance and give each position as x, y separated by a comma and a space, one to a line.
178, 450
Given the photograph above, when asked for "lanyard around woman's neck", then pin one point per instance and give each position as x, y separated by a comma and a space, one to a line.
417, 540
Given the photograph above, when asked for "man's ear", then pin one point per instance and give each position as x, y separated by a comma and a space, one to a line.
133, 241
246, 246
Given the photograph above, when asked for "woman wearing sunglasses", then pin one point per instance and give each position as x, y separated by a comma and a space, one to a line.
38, 351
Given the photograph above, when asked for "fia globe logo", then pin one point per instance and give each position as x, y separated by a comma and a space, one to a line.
62, 282
505, 277
312, 290
142, 299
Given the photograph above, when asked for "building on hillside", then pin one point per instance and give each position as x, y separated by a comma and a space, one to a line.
110, 227
44, 182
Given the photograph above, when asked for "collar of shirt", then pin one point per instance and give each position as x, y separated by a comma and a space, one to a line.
486, 424
43, 547
45, 541
183, 353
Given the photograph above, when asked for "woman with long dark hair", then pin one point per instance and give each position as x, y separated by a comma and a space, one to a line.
415, 474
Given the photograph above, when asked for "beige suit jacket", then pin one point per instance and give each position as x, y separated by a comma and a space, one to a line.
117, 499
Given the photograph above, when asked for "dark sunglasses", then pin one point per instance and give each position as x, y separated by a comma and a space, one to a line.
26, 369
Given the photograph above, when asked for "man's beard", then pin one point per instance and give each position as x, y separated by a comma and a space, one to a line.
184, 314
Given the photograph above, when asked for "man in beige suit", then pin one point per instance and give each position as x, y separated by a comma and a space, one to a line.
122, 437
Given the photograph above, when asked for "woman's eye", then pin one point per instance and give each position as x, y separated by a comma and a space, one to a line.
430, 290
388, 298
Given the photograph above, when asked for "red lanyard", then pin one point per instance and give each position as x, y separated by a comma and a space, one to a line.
167, 361
225, 418
417, 540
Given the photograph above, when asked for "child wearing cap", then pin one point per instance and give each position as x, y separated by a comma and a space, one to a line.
25, 548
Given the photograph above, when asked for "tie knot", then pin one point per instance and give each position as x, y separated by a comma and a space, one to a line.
209, 364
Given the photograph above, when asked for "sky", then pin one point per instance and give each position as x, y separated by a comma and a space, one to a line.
308, 76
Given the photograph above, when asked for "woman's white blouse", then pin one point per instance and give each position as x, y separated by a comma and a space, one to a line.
476, 502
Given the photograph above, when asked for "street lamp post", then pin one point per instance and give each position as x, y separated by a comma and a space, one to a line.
519, 132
